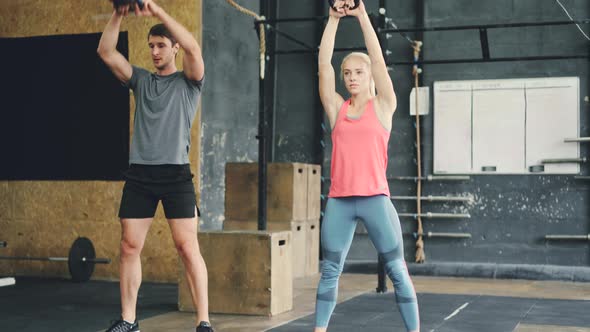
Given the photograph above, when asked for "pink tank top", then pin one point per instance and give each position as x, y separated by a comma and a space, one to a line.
359, 154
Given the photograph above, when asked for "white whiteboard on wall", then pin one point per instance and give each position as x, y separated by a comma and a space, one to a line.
498, 128
505, 126
453, 105
550, 119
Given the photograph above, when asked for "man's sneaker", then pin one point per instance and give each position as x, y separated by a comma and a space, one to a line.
204, 327
122, 326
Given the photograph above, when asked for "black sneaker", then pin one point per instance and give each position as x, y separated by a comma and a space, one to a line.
122, 326
204, 327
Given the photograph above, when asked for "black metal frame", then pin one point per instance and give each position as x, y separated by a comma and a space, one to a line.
268, 7
381, 273
483, 35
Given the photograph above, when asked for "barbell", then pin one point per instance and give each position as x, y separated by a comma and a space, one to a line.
81, 259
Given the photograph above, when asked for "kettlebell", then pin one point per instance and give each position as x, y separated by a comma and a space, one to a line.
119, 3
356, 3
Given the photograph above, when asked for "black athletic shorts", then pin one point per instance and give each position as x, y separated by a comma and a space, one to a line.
146, 185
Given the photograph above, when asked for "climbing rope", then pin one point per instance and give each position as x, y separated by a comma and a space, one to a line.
261, 31
416, 71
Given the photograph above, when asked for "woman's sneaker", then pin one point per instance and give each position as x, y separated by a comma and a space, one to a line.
204, 327
123, 326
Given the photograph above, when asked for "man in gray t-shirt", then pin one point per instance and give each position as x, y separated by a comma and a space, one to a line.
159, 170
165, 108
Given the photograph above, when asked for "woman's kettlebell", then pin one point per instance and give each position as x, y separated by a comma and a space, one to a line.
356, 4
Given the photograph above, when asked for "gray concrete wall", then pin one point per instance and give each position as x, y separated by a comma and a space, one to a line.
229, 102
297, 112
512, 214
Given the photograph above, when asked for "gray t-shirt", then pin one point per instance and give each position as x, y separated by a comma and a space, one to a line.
165, 107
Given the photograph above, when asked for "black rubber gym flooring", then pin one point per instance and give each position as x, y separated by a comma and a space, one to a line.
49, 305
378, 312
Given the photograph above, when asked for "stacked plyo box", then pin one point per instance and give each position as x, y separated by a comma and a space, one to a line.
293, 203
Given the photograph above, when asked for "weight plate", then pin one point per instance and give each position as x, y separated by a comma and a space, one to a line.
81, 270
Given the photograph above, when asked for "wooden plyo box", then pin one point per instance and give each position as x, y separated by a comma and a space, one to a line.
305, 242
314, 191
287, 191
312, 247
249, 273
298, 242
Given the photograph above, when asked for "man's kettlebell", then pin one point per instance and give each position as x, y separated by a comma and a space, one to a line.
119, 3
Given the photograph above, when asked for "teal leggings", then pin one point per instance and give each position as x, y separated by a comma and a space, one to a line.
383, 226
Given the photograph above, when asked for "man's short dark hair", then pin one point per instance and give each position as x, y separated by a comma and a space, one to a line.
161, 31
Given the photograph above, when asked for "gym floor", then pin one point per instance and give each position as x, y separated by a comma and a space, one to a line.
446, 304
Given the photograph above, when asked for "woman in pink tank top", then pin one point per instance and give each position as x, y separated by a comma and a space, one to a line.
359, 190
